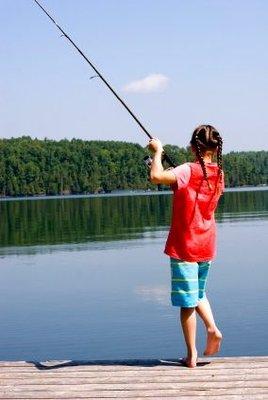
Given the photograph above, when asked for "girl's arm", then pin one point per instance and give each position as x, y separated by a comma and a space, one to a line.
157, 174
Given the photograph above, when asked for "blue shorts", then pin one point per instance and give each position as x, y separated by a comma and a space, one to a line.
188, 282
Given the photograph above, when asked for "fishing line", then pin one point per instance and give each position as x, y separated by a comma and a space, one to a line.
165, 156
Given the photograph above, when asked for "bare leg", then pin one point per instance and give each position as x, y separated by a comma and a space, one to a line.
188, 323
214, 335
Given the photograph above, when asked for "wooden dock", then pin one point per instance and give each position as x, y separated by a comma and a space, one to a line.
214, 379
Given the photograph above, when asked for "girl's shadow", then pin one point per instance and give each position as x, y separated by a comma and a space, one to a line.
46, 365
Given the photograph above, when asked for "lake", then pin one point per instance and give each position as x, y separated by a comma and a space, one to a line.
86, 278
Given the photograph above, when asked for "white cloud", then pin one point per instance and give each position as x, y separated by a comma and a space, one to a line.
151, 83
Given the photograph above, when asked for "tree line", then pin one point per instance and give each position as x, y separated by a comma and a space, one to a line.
46, 167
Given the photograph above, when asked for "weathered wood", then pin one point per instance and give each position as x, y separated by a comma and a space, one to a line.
70, 394
229, 378
204, 385
137, 378
182, 373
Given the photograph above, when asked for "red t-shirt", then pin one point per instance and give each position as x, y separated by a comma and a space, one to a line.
192, 235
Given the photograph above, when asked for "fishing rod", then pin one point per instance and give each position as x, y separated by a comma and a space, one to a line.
165, 156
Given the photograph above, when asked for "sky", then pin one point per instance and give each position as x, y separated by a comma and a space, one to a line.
176, 63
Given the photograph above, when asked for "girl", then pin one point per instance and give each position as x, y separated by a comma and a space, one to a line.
191, 242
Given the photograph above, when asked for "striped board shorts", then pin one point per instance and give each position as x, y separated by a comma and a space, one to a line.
188, 282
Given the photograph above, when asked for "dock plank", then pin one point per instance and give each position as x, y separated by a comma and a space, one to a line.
137, 378
63, 394
226, 378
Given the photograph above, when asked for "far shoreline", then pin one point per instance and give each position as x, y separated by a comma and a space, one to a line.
122, 193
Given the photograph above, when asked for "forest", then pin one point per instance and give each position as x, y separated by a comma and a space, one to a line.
31, 167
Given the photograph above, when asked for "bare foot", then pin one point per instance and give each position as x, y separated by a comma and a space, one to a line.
190, 361
214, 338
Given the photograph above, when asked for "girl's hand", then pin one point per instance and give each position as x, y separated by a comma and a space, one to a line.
155, 145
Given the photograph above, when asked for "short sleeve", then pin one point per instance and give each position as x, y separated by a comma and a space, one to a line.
182, 174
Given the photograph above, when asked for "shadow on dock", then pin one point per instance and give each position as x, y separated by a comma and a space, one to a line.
46, 365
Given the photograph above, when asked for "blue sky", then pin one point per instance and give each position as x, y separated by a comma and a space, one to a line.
212, 55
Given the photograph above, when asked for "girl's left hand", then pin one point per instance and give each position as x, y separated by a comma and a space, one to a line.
155, 145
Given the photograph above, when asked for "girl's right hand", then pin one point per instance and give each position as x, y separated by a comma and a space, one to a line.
155, 145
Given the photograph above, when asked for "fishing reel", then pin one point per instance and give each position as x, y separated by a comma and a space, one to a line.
165, 158
148, 161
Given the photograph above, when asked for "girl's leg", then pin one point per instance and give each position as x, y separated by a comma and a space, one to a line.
184, 294
214, 335
188, 323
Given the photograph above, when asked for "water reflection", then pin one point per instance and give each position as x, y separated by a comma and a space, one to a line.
157, 294
243, 205
81, 220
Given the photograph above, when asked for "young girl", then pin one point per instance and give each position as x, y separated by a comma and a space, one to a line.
191, 242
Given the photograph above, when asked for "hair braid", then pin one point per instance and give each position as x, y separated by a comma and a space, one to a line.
219, 154
201, 159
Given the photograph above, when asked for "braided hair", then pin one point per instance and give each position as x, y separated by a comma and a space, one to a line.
205, 138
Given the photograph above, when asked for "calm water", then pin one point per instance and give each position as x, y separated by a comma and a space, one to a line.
86, 278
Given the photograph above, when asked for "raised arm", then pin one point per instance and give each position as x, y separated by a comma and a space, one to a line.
157, 174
